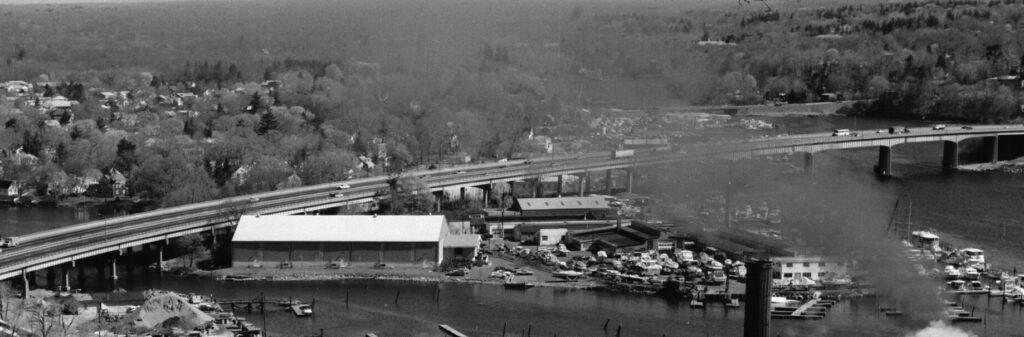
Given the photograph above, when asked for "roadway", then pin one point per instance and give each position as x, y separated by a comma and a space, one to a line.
62, 245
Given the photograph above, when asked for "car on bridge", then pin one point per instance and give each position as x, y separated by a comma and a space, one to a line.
967, 127
939, 127
344, 186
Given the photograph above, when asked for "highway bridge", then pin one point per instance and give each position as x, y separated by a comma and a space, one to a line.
65, 246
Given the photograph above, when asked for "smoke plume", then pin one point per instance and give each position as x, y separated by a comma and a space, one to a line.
941, 329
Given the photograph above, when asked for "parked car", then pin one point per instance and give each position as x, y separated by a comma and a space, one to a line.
458, 272
344, 186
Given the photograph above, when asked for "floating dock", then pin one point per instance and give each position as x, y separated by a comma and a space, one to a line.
813, 309
450, 331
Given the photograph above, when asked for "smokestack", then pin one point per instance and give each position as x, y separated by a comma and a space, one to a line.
759, 288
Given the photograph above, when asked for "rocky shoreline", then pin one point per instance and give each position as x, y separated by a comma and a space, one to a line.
1015, 166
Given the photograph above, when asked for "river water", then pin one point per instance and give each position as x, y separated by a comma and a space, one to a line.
981, 208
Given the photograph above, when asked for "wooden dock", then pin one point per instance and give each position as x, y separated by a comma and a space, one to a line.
258, 303
813, 309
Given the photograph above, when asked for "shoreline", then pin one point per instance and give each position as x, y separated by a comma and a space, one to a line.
405, 275
1006, 166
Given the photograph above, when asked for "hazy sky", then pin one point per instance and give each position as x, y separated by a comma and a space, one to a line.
27, 2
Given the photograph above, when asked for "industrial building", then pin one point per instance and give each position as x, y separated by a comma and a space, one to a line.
531, 231
564, 208
337, 241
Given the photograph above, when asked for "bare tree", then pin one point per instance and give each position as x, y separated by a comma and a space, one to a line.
11, 306
69, 310
43, 316
190, 246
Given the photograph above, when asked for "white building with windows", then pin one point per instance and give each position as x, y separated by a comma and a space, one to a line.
807, 270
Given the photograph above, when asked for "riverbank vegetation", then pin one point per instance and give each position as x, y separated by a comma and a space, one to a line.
187, 103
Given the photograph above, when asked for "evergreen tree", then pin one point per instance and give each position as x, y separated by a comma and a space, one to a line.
125, 156
190, 127
267, 123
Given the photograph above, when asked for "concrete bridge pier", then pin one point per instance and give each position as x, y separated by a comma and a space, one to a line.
884, 167
67, 278
558, 190
538, 187
25, 283
808, 162
113, 268
630, 173
160, 257
213, 238
950, 155
584, 180
487, 196
608, 182
992, 143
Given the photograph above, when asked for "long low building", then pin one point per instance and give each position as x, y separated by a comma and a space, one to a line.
337, 241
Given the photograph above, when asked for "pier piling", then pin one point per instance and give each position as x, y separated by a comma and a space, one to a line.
618, 331
399, 293
503, 326
529, 330
346, 298
606, 321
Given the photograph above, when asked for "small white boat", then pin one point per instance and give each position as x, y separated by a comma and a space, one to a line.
695, 303
569, 275
780, 300
952, 273
970, 273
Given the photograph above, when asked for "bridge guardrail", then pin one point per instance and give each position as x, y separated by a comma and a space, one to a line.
141, 225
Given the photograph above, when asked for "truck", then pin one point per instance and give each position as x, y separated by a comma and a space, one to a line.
622, 153
8, 242
898, 129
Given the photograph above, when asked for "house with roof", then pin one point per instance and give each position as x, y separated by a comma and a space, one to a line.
8, 189
339, 241
118, 183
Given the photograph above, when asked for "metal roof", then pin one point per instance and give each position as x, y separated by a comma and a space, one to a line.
341, 228
535, 204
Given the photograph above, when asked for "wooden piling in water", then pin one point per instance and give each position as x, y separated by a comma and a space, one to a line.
529, 330
618, 331
503, 326
399, 293
346, 298
606, 324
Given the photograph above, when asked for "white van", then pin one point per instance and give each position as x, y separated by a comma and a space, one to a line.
841, 132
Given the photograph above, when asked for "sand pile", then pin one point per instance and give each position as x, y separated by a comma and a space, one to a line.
167, 311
